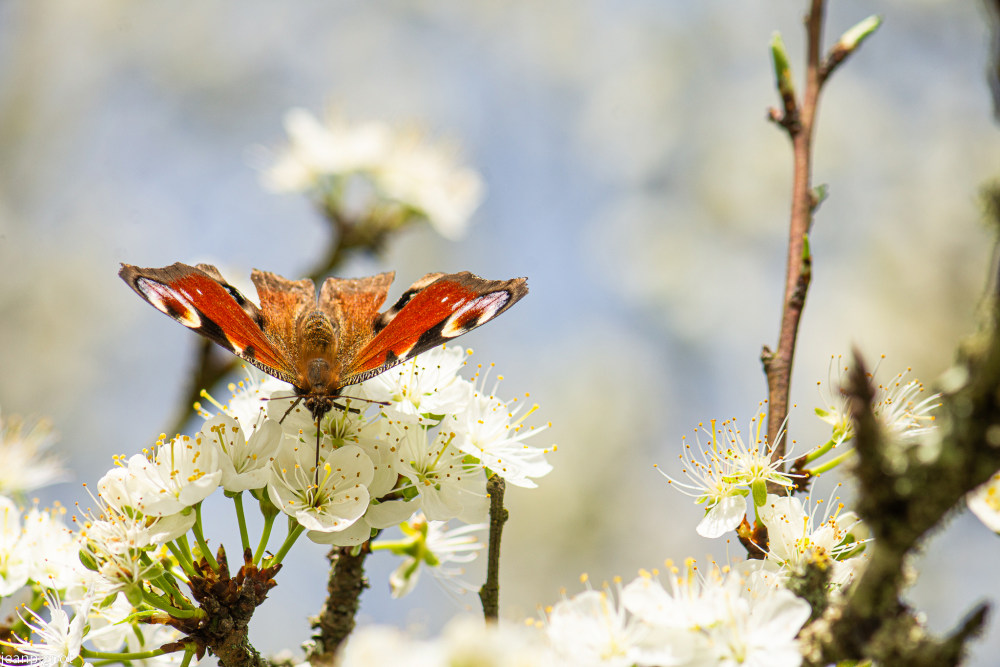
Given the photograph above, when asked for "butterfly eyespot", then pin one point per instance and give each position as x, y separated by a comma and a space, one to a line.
170, 302
474, 313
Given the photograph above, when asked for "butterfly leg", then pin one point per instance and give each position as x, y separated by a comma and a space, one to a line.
290, 408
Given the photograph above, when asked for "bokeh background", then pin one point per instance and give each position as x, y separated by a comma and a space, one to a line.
631, 174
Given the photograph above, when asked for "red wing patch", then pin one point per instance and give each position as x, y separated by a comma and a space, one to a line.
448, 307
209, 307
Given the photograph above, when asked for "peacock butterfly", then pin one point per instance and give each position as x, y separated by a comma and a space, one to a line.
320, 347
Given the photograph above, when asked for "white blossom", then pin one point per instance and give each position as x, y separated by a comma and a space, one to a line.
15, 567
795, 538
244, 457
727, 470
445, 485
59, 638
25, 464
984, 502
178, 474
897, 406
395, 173
592, 628
330, 501
429, 384
434, 545
491, 430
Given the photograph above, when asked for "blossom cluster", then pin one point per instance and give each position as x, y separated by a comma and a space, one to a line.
413, 446
717, 619
386, 175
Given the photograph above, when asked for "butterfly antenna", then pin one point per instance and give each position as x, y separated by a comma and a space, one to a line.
348, 399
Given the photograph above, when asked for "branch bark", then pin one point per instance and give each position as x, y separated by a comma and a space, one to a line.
489, 594
799, 120
343, 592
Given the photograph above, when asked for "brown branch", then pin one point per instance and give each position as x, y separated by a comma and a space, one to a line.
903, 494
343, 592
489, 594
778, 364
229, 604
799, 121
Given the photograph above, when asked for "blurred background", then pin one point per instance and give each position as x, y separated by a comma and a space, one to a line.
631, 175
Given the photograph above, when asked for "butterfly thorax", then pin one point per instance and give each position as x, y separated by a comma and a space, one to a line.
318, 368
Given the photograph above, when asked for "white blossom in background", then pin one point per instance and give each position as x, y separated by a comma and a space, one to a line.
59, 636
14, 559
464, 641
395, 173
897, 406
592, 628
984, 502
427, 179
723, 472
700, 620
25, 464
715, 620
52, 548
433, 545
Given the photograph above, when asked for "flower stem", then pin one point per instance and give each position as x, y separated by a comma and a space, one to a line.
120, 657
241, 518
264, 537
164, 580
293, 535
832, 463
182, 555
819, 451
199, 535
160, 603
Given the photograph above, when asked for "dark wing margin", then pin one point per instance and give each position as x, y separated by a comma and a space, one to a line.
446, 308
202, 301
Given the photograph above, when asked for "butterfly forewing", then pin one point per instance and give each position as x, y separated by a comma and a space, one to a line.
210, 307
446, 308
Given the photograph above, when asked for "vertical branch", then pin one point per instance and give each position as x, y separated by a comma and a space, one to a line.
343, 592
489, 594
798, 119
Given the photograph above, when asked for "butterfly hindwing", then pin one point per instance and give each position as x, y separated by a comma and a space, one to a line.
199, 299
433, 313
353, 304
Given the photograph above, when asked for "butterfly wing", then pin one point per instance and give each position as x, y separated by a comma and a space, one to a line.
352, 304
436, 309
200, 299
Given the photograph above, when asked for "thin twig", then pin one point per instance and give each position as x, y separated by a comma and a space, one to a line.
778, 364
489, 594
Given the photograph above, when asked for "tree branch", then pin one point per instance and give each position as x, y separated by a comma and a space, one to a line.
489, 594
343, 592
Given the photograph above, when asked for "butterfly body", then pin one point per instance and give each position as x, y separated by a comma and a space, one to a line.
321, 345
